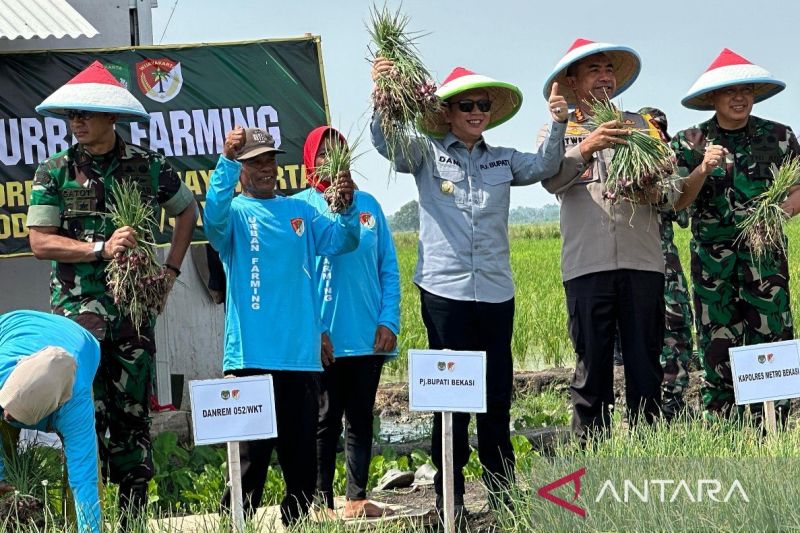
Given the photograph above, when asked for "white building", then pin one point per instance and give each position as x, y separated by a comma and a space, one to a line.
189, 333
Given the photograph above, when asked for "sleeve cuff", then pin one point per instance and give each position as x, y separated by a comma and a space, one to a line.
44, 215
179, 201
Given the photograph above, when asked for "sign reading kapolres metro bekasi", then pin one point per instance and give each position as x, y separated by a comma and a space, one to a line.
194, 95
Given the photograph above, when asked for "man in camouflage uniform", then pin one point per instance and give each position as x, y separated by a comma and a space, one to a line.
676, 352
69, 224
726, 161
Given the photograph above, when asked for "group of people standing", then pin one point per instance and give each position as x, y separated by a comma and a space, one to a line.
334, 271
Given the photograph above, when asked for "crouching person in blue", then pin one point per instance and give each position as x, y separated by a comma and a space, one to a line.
47, 365
268, 245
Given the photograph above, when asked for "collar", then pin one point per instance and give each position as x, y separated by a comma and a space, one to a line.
714, 129
84, 157
450, 140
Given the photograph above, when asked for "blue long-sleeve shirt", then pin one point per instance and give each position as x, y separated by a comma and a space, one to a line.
360, 290
23, 333
464, 199
268, 248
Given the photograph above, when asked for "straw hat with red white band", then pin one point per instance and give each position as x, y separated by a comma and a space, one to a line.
625, 60
729, 68
93, 89
506, 99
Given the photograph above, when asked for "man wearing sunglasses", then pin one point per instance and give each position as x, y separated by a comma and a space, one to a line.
463, 270
69, 225
611, 259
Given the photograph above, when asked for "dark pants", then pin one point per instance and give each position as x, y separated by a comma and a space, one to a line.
464, 325
347, 387
598, 304
296, 411
122, 387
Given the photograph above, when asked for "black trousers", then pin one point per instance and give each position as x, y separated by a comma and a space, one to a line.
296, 412
598, 304
464, 325
347, 387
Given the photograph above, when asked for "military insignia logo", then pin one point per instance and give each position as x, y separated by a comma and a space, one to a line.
367, 220
225, 394
441, 365
451, 365
120, 71
298, 226
159, 79
448, 187
235, 394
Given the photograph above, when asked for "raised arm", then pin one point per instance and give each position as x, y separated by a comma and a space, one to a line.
407, 159
342, 234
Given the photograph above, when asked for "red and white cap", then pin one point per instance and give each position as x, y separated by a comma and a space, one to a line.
94, 89
506, 99
625, 60
729, 68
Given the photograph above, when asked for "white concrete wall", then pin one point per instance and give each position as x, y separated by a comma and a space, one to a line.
189, 333
109, 17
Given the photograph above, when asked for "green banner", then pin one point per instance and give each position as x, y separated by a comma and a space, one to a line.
194, 95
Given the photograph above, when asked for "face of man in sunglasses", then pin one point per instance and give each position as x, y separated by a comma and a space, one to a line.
93, 130
467, 126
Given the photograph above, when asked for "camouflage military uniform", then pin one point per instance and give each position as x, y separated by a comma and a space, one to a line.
70, 191
738, 301
677, 349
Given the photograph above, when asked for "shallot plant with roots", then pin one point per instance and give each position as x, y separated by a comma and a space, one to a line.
405, 94
762, 230
639, 170
339, 156
135, 279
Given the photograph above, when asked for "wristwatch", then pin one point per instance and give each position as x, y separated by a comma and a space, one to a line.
98, 250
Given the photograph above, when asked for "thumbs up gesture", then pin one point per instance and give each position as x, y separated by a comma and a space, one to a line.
557, 104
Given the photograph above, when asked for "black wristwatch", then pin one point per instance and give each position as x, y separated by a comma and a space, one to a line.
173, 268
98, 250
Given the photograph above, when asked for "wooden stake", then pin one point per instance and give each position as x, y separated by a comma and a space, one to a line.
235, 479
769, 417
447, 467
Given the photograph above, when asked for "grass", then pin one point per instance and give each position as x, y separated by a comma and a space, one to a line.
540, 324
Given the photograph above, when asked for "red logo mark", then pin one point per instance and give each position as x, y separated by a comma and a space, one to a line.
574, 478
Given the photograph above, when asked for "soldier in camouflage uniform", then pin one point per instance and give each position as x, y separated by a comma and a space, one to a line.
676, 352
69, 224
726, 161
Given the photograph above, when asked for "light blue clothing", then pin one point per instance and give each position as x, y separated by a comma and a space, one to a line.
360, 290
25, 332
268, 248
464, 196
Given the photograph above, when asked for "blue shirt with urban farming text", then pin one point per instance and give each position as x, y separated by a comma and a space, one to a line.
360, 290
268, 248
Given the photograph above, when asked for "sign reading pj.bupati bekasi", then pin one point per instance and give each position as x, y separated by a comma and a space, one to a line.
233, 409
447, 381
766, 372
194, 95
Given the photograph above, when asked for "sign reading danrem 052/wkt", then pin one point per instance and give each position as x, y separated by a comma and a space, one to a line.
194, 95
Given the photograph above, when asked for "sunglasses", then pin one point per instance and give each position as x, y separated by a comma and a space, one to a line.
80, 115
466, 106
